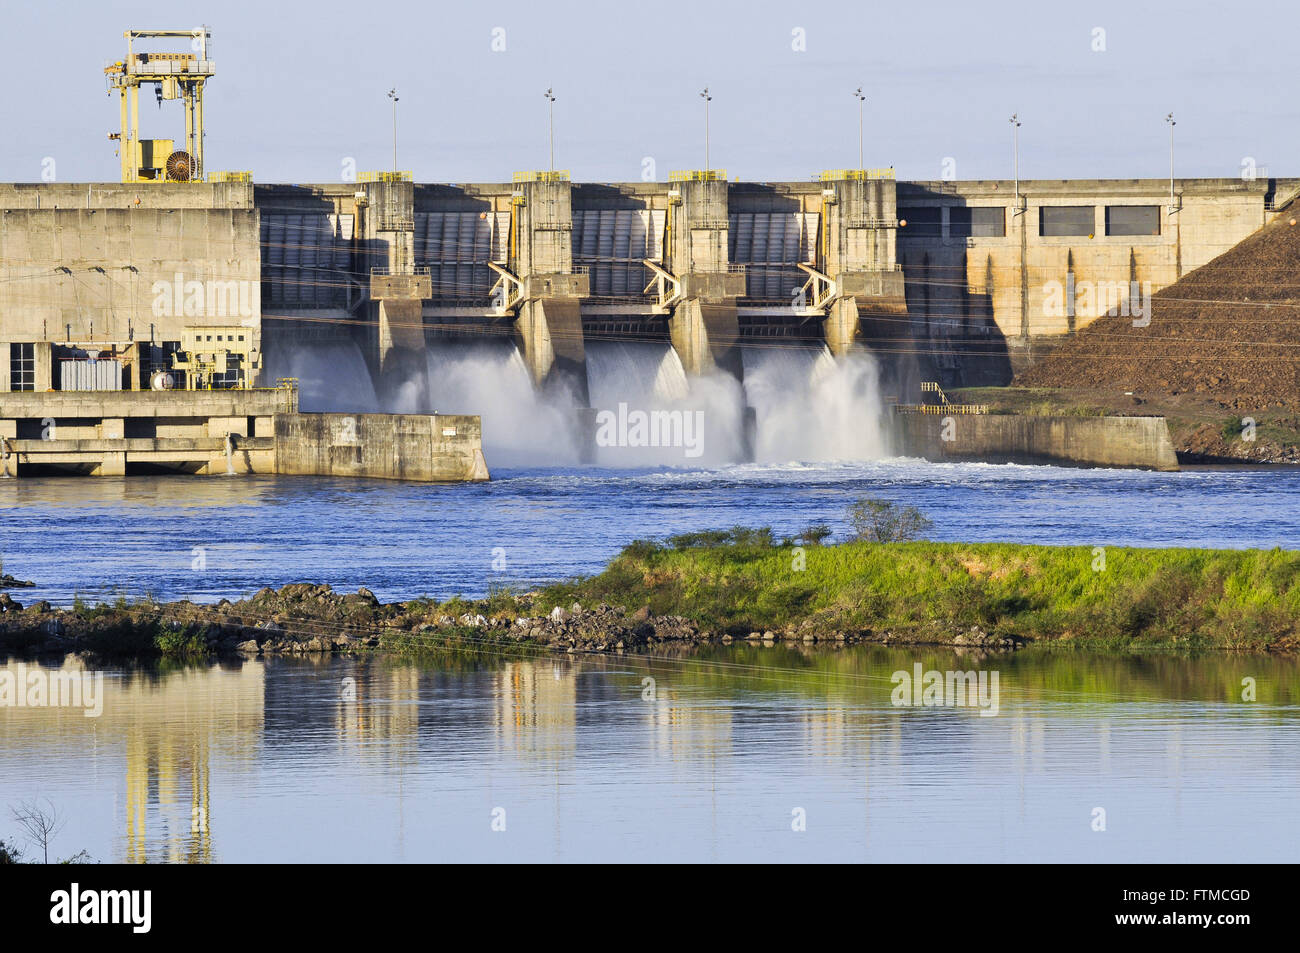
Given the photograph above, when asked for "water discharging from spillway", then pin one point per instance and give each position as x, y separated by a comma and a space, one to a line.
521, 427
811, 406
645, 411
648, 413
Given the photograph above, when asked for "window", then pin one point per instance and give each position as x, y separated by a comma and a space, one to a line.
1062, 220
970, 222
922, 222
1132, 219
22, 366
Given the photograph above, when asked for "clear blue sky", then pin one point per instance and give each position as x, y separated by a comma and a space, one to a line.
301, 86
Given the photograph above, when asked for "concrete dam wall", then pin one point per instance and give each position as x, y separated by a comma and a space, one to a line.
1124, 442
430, 449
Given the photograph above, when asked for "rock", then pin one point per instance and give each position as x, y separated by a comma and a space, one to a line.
365, 595
558, 615
9, 582
247, 648
7, 604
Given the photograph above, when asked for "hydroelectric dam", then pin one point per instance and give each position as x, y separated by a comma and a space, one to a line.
368, 293
782, 320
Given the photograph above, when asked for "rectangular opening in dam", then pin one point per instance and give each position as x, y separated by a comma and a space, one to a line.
1132, 219
1056, 221
977, 221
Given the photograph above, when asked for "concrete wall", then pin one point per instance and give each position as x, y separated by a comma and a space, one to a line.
988, 305
102, 432
436, 449
1124, 442
101, 195
100, 266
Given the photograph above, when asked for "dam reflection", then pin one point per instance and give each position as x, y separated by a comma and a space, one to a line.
373, 758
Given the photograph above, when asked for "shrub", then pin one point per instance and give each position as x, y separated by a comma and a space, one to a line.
879, 521
814, 535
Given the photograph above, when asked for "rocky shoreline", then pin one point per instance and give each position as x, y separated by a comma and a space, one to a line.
307, 619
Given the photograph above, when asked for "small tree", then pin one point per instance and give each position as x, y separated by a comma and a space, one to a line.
42, 824
815, 535
879, 521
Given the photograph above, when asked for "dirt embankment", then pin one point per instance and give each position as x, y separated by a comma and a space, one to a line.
1227, 333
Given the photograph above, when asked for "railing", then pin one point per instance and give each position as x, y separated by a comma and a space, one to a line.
386, 177
386, 270
230, 176
698, 175
941, 410
858, 175
541, 175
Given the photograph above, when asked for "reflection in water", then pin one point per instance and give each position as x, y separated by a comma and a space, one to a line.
388, 759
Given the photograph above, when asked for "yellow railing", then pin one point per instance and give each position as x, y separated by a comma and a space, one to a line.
698, 175
941, 410
230, 176
841, 175
542, 175
386, 177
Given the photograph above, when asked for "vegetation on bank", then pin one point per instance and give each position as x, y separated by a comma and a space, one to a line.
881, 585
1111, 597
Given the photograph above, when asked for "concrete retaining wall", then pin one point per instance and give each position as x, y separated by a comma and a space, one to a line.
1125, 442
435, 449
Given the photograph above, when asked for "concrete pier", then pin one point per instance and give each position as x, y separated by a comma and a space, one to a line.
548, 326
428, 449
1123, 442
233, 431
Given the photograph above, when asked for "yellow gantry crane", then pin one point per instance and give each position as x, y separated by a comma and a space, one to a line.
175, 75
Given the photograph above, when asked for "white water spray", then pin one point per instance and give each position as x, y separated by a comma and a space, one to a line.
490, 379
813, 407
701, 419
810, 407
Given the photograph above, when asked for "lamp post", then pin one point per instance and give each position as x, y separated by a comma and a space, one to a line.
392, 94
1170, 119
862, 101
550, 107
1015, 135
707, 99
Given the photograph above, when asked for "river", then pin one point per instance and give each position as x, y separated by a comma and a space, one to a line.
730, 753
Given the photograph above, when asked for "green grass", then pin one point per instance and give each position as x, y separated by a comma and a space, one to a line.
1188, 598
